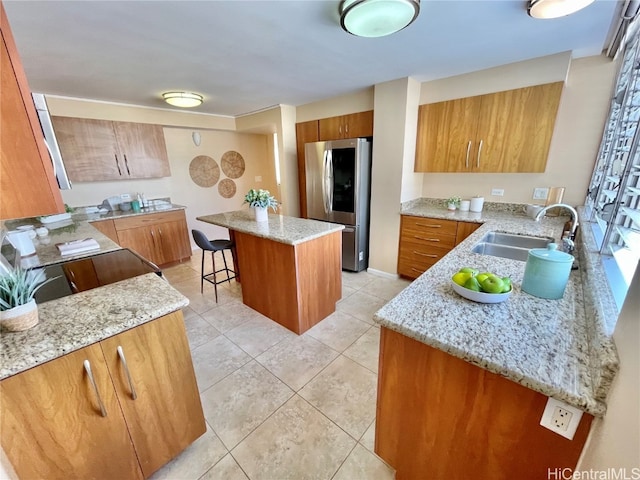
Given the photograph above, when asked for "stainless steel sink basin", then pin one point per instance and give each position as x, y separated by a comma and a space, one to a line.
514, 240
504, 251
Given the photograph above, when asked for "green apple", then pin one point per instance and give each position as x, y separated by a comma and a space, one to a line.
470, 270
492, 284
472, 284
507, 284
461, 277
482, 276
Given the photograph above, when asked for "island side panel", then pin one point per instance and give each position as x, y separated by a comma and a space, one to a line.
439, 417
319, 267
268, 272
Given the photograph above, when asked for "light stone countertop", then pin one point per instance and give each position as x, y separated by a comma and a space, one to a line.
560, 348
79, 320
289, 230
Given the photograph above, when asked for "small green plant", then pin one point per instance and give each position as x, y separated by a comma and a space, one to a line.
18, 287
260, 198
454, 200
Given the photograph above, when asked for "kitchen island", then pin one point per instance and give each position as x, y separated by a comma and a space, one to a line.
290, 268
462, 385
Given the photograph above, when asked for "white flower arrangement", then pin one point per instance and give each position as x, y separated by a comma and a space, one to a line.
261, 198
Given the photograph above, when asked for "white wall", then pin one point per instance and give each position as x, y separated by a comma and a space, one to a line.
614, 441
578, 130
360, 101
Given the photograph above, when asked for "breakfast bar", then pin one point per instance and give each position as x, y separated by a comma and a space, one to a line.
290, 267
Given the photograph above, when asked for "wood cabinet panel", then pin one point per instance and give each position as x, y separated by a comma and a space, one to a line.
52, 426
27, 183
148, 219
143, 149
503, 132
346, 126
141, 240
89, 149
306, 132
174, 241
106, 227
81, 275
167, 404
330, 128
477, 424
446, 133
434, 227
465, 229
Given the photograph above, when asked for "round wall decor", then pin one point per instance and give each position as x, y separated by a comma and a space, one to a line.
227, 188
204, 171
232, 164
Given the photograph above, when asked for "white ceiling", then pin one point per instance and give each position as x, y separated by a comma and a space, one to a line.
245, 56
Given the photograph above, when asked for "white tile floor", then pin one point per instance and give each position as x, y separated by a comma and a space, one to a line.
281, 406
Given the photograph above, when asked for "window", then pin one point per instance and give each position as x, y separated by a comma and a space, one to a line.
613, 199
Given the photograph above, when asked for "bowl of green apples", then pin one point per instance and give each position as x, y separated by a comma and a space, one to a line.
481, 287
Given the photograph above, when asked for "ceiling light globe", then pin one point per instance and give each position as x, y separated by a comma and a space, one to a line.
377, 18
556, 8
183, 99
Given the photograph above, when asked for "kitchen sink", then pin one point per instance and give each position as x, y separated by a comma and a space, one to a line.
504, 251
514, 240
509, 245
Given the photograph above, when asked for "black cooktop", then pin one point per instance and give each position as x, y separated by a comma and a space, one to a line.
86, 273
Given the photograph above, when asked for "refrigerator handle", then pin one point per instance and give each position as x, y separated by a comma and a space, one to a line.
324, 181
330, 179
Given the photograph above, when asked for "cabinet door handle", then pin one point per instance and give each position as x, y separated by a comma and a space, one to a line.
346, 129
134, 395
87, 367
468, 150
430, 255
427, 239
126, 164
340, 130
115, 155
416, 270
479, 153
428, 225
153, 237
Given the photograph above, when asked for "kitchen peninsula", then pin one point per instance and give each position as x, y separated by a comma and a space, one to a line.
290, 268
462, 385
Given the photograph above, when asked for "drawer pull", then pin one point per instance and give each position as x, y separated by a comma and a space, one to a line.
134, 395
430, 255
416, 270
429, 225
87, 367
427, 239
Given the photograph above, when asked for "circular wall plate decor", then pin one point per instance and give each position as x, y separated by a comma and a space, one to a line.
232, 164
204, 171
227, 188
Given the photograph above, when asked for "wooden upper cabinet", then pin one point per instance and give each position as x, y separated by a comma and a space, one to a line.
28, 186
508, 132
52, 426
101, 150
166, 404
346, 126
306, 132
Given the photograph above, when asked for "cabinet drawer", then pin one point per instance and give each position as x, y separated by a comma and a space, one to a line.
149, 219
430, 226
417, 253
411, 269
430, 238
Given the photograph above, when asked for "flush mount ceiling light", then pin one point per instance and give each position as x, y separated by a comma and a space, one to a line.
555, 8
182, 99
377, 18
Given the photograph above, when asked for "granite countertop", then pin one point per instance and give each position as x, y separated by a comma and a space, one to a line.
161, 207
289, 230
79, 320
560, 348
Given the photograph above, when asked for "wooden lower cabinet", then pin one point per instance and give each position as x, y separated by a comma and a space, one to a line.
162, 238
424, 241
441, 418
52, 425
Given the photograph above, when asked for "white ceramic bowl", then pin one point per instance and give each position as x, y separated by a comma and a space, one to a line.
481, 297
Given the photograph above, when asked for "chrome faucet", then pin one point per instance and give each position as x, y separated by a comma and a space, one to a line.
574, 216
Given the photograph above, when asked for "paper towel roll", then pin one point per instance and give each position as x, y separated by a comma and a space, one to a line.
476, 204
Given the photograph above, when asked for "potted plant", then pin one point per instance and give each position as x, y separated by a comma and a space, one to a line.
18, 309
260, 200
453, 202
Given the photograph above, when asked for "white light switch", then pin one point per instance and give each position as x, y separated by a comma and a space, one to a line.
258, 178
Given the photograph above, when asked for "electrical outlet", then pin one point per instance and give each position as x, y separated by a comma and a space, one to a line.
540, 193
497, 192
561, 418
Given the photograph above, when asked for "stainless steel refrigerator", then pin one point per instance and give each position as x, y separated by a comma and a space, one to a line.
338, 176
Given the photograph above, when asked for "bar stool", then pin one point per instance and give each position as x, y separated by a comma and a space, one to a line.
214, 246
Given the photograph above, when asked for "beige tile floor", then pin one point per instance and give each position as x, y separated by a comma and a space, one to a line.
281, 406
